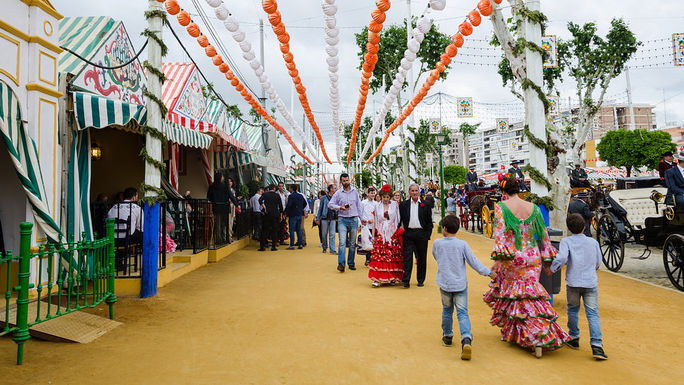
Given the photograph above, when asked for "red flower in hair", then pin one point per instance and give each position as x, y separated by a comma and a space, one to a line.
386, 188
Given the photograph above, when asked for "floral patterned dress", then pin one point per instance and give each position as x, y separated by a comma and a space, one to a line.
387, 256
519, 302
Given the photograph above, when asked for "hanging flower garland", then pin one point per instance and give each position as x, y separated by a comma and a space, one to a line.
183, 18
484, 8
274, 17
369, 61
331, 40
232, 25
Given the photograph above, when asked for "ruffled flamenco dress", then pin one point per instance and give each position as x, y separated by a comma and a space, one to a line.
519, 302
387, 256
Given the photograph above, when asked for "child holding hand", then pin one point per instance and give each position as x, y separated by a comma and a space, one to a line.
451, 255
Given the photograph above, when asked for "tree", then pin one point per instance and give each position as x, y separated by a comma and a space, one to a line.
634, 149
466, 131
455, 174
590, 60
234, 111
426, 143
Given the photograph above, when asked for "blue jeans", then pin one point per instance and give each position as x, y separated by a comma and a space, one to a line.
459, 300
295, 224
328, 234
590, 299
347, 228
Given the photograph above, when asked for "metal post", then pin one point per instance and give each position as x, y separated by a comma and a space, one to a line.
22, 334
632, 118
534, 107
264, 126
409, 79
111, 268
441, 187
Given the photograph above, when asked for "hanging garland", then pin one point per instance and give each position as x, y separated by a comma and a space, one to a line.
369, 61
183, 17
158, 194
331, 40
274, 17
537, 200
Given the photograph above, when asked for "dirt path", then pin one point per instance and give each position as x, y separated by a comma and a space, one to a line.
290, 318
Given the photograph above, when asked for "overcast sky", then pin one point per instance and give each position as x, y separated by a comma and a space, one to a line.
653, 22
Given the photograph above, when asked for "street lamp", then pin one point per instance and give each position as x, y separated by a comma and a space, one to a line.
440, 142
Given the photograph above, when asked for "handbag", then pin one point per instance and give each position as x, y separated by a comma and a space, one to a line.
366, 238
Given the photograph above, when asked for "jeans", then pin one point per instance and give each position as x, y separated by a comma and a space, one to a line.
328, 234
295, 224
590, 298
347, 228
458, 299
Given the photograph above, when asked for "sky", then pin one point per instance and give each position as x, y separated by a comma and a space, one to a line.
654, 78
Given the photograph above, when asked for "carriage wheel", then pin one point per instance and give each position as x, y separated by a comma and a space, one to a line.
487, 227
673, 258
594, 222
612, 248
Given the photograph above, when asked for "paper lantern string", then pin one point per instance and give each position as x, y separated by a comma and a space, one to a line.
331, 40
274, 17
183, 18
369, 61
484, 8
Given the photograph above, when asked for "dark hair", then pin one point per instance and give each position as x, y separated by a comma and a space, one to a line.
294, 187
371, 188
130, 193
451, 224
230, 179
217, 178
270, 187
510, 184
330, 187
322, 192
344, 175
364, 196
575, 223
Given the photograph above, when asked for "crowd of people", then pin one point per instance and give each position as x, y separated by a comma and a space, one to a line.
393, 233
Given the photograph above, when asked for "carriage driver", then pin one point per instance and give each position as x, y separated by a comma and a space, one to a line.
580, 205
674, 179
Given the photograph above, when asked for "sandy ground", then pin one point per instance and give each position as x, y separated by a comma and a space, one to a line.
289, 317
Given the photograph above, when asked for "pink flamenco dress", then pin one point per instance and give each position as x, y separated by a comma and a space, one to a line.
519, 302
387, 257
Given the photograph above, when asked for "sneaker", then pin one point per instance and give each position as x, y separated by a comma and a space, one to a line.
598, 353
333, 252
466, 349
406, 285
352, 267
299, 247
573, 343
340, 268
447, 340
291, 248
324, 251
375, 284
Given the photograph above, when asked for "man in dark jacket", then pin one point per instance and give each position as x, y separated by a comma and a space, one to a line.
666, 164
416, 220
578, 177
579, 205
220, 196
295, 211
518, 174
471, 179
273, 207
674, 179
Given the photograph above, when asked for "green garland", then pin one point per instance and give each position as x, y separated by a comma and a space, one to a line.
155, 71
533, 16
536, 142
156, 163
152, 35
153, 132
537, 176
527, 83
151, 200
162, 108
537, 200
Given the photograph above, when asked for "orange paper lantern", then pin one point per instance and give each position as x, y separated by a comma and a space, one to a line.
465, 28
284, 48
372, 48
288, 57
383, 5
297, 80
458, 40
497, 1
373, 37
172, 7
374, 27
293, 73
234, 82
270, 6
291, 65
184, 18
239, 87
224, 68
210, 51
378, 16
440, 67
202, 41
193, 30
485, 7
446, 59
474, 17
217, 60
274, 18
451, 50
279, 29
285, 38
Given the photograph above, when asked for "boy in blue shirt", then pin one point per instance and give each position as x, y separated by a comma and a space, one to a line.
583, 257
451, 255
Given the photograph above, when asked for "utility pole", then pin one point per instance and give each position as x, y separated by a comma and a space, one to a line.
404, 135
632, 118
534, 108
264, 125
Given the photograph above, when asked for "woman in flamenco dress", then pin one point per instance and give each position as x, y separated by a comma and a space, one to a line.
387, 257
519, 302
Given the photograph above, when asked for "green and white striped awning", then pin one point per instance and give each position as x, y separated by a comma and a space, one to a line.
22, 150
98, 112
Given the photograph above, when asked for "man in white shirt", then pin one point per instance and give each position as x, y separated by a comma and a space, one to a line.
257, 213
416, 220
123, 211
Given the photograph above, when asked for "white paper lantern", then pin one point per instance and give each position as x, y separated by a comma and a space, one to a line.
333, 76
330, 22
239, 36
332, 68
410, 56
221, 13
232, 24
424, 24
267, 84
405, 64
332, 61
249, 56
413, 46
262, 77
437, 5
332, 40
214, 3
419, 36
332, 32
331, 51
329, 9
259, 71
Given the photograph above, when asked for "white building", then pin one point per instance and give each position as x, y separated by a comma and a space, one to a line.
491, 151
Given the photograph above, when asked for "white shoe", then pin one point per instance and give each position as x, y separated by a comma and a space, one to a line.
375, 284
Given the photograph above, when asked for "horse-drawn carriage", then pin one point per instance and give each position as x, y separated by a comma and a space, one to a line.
477, 212
641, 216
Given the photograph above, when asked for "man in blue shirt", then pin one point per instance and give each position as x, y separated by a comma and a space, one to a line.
327, 220
583, 257
296, 203
347, 203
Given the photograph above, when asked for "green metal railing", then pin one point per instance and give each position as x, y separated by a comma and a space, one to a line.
69, 276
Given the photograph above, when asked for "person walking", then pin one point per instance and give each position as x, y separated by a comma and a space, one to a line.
327, 220
347, 203
316, 222
451, 204
295, 212
387, 256
257, 213
220, 195
367, 217
416, 220
272, 208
